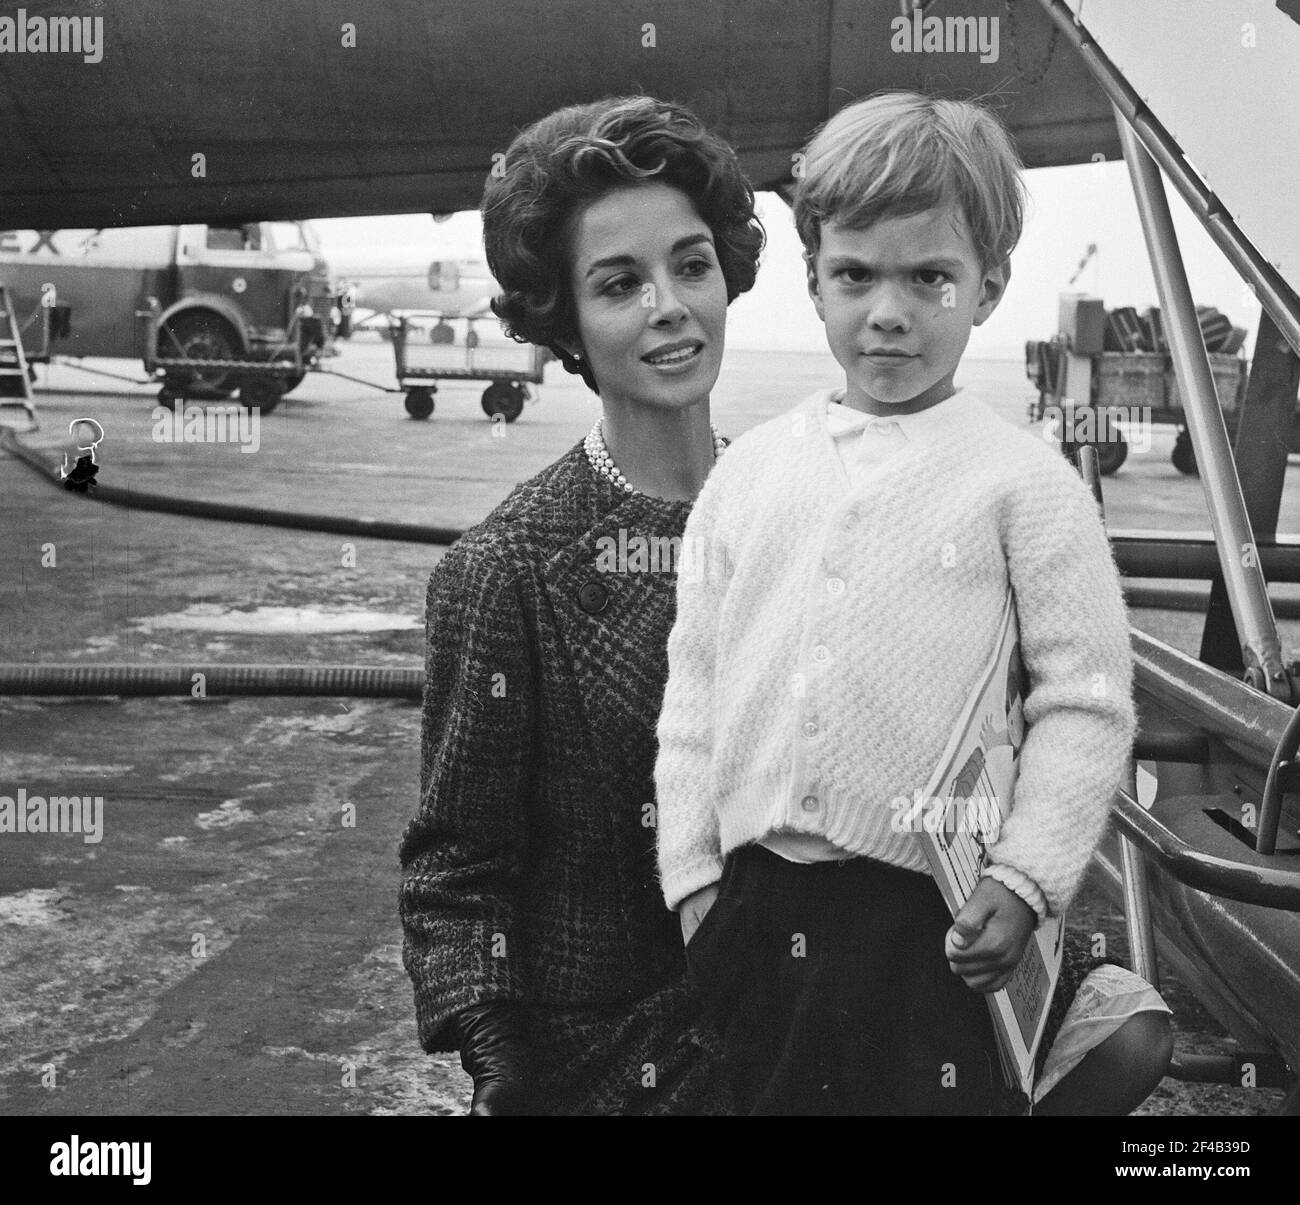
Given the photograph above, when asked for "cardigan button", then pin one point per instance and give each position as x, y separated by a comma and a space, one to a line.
593, 597
835, 586
808, 803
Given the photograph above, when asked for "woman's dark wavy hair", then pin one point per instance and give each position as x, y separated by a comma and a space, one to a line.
576, 155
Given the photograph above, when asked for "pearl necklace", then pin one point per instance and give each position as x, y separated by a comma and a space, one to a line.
603, 463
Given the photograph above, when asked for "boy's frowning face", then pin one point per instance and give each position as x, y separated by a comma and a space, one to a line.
899, 300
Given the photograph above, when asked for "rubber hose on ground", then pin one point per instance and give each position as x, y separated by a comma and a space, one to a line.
321, 680
375, 529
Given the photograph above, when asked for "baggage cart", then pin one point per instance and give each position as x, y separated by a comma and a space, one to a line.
509, 367
1128, 387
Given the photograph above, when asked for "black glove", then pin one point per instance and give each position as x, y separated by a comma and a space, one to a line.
494, 1051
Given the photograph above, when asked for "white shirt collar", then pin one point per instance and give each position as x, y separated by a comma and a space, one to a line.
843, 420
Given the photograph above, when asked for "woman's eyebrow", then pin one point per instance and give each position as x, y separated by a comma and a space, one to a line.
620, 261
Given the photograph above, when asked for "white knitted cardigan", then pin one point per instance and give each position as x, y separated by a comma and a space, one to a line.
827, 637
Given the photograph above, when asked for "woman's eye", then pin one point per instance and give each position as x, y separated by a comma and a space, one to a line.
618, 286
696, 267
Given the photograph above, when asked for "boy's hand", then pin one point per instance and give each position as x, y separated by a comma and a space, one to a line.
692, 909
989, 935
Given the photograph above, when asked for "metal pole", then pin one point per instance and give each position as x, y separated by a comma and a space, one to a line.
1242, 574
1137, 904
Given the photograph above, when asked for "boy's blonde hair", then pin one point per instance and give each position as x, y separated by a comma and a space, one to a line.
901, 153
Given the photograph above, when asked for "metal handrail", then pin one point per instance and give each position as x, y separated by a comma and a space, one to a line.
1210, 705
1281, 778
1191, 555
1207, 699
1189, 747
1263, 885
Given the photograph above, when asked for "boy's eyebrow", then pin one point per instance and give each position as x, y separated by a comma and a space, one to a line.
618, 261
938, 261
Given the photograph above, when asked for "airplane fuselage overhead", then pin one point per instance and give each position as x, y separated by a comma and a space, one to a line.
199, 113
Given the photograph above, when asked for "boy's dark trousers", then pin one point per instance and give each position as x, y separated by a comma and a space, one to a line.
833, 994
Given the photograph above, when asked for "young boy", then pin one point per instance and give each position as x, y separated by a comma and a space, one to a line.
869, 537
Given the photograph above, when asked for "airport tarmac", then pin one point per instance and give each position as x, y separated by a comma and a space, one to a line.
231, 944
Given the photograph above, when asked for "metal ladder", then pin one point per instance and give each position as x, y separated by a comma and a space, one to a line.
15, 383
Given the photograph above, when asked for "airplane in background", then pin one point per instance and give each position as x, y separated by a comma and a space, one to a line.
378, 291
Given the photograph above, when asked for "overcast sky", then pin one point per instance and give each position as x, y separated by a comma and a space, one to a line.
1069, 208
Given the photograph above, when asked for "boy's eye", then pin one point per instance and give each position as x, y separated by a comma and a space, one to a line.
854, 276
939, 276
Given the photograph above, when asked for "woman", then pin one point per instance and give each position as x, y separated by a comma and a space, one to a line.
536, 936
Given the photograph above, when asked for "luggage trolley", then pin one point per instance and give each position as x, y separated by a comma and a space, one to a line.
1103, 366
510, 368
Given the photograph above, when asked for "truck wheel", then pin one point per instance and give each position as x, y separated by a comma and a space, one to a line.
1184, 456
419, 403
261, 393
292, 381
504, 399
200, 337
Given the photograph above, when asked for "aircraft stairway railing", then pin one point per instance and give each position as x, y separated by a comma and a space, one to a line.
1224, 896
1221, 890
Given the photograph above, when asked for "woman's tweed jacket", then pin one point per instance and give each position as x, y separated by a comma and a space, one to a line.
529, 871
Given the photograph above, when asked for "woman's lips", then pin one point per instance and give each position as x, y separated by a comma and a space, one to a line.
677, 358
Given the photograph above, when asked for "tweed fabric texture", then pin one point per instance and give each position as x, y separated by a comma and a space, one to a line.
529, 872
818, 664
